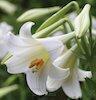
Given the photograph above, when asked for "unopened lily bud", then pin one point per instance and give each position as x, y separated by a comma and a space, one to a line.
82, 21
7, 6
38, 13
49, 29
58, 15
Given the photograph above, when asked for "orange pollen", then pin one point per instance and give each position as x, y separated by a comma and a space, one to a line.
37, 62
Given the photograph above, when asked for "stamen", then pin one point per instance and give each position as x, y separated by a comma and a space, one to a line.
38, 63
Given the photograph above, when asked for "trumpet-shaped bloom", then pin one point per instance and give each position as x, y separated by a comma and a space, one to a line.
4, 29
33, 57
70, 83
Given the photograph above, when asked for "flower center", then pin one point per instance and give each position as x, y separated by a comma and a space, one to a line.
36, 64
38, 58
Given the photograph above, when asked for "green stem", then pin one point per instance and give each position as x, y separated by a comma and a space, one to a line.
86, 45
71, 25
90, 33
80, 46
67, 31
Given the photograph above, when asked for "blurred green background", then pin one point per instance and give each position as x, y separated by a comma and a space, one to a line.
23, 92
24, 5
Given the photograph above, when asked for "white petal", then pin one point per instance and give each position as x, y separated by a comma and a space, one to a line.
17, 69
37, 81
10, 37
71, 86
25, 30
54, 47
19, 63
58, 73
19, 44
16, 65
5, 28
84, 74
3, 49
50, 43
53, 85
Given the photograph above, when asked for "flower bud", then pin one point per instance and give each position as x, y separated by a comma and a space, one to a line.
82, 21
7, 6
38, 13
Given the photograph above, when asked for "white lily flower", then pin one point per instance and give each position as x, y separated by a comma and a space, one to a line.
69, 83
4, 29
82, 21
33, 57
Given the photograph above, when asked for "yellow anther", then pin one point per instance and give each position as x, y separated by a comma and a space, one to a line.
38, 63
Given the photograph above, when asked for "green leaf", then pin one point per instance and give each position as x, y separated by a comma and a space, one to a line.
5, 90
10, 80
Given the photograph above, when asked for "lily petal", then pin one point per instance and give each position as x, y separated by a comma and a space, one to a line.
37, 81
71, 86
17, 64
24, 58
3, 50
5, 28
54, 47
25, 30
84, 74
58, 73
53, 85
19, 44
